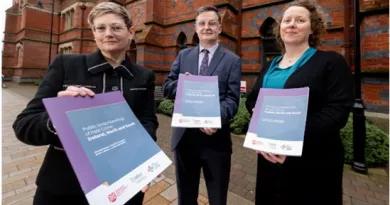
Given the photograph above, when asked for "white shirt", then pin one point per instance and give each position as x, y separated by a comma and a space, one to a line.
201, 54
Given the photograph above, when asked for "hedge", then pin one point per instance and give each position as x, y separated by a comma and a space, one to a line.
240, 122
377, 142
166, 107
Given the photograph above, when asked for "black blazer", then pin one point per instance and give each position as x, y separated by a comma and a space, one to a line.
34, 127
330, 101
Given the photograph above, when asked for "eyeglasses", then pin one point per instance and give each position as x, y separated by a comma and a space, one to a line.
114, 28
212, 24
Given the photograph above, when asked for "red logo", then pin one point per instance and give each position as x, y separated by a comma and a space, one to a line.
181, 120
254, 142
112, 197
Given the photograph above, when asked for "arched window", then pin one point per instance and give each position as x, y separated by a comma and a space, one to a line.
68, 19
195, 40
19, 57
133, 52
181, 42
269, 47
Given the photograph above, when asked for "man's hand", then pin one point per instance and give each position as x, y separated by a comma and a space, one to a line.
187, 73
273, 158
75, 91
208, 131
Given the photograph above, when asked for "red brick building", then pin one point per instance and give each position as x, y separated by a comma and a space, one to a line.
163, 27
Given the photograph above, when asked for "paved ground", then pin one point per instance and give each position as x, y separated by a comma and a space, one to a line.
21, 164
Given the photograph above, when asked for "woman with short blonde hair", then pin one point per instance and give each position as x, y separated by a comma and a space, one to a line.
105, 70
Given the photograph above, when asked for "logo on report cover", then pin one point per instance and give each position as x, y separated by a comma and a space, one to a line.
153, 167
136, 177
272, 145
255, 142
286, 147
112, 197
208, 122
183, 120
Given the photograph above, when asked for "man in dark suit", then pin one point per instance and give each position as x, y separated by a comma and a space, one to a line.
206, 148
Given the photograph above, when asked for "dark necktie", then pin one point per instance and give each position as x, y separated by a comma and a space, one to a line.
205, 63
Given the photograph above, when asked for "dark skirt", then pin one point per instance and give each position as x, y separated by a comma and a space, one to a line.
303, 181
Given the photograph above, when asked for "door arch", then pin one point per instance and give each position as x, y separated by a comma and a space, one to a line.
269, 46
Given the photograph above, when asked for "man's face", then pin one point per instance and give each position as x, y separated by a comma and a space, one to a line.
207, 27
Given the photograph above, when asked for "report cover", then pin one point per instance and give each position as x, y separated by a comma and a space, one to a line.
111, 153
197, 102
278, 122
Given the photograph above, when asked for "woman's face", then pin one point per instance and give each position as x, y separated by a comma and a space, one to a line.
295, 27
111, 33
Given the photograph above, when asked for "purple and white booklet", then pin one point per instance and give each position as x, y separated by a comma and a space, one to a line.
111, 153
278, 122
197, 102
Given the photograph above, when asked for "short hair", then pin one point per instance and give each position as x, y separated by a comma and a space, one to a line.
316, 20
109, 8
208, 8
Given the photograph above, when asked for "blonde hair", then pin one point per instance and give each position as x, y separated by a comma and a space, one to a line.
316, 20
109, 8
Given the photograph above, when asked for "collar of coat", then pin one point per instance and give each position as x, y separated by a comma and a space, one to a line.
97, 63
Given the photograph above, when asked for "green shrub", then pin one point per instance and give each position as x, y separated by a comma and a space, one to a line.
377, 144
244, 95
38, 81
240, 122
166, 107
157, 103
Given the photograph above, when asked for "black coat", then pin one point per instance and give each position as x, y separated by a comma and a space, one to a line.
302, 179
33, 126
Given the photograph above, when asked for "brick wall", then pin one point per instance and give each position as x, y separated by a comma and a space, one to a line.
375, 43
376, 93
158, 24
138, 11
373, 4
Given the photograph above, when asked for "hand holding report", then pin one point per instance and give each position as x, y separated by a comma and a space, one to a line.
110, 151
197, 102
278, 122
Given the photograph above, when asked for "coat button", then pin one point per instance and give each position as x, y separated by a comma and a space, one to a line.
114, 88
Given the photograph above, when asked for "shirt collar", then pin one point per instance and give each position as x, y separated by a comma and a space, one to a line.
97, 63
211, 49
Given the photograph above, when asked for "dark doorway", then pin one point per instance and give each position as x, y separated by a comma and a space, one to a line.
269, 47
195, 40
181, 42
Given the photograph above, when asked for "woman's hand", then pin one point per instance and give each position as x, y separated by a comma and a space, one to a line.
75, 91
208, 131
145, 189
273, 158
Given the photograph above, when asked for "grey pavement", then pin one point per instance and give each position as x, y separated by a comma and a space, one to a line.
21, 164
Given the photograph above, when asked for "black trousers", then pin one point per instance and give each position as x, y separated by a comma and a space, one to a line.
189, 159
43, 197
